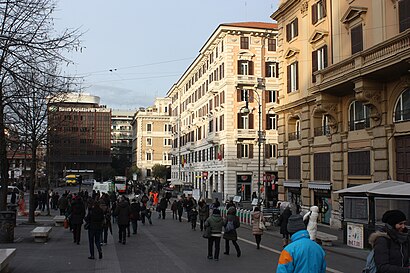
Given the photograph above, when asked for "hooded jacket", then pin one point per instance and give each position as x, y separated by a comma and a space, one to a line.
216, 223
391, 250
302, 255
231, 235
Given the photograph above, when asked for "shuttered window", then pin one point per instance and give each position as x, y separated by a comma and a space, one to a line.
318, 11
319, 60
356, 34
271, 44
404, 14
292, 30
294, 167
321, 166
244, 42
359, 163
292, 77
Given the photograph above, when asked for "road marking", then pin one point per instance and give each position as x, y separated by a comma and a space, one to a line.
278, 252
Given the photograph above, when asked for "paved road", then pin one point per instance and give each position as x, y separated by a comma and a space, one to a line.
166, 246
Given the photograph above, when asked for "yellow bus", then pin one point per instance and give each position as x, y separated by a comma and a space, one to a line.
71, 179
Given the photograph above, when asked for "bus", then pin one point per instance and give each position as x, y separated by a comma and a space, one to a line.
71, 180
120, 183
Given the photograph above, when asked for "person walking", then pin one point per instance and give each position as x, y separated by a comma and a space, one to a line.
256, 230
194, 217
76, 218
311, 219
122, 211
145, 213
203, 213
174, 208
215, 223
283, 223
63, 204
94, 220
135, 209
163, 204
302, 254
231, 223
391, 244
106, 222
180, 208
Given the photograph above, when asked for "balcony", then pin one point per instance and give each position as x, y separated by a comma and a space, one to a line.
322, 131
385, 60
360, 124
246, 80
213, 137
245, 133
213, 87
294, 136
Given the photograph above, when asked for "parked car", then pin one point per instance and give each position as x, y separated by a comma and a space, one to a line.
89, 182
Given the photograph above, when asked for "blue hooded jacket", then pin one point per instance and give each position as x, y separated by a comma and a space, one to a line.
302, 255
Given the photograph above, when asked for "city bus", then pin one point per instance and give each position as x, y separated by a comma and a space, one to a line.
71, 180
120, 183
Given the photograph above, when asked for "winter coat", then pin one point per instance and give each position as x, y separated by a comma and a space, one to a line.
231, 235
77, 212
63, 202
391, 250
256, 216
203, 212
216, 223
163, 203
174, 206
135, 209
312, 224
180, 206
283, 221
302, 255
122, 211
95, 218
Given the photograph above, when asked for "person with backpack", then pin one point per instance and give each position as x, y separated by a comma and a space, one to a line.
231, 223
390, 245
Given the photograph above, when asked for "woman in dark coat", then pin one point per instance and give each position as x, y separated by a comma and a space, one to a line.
283, 223
94, 220
135, 209
231, 223
203, 212
391, 244
76, 217
122, 211
180, 208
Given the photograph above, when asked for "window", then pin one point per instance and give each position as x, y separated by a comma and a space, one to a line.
167, 142
404, 14
294, 167
318, 11
271, 150
292, 80
271, 122
165, 156
211, 126
149, 141
149, 127
402, 109
356, 209
272, 70
245, 121
356, 36
221, 123
272, 96
319, 60
324, 129
244, 95
292, 30
245, 150
245, 67
244, 42
149, 156
149, 172
359, 163
321, 166
358, 116
271, 44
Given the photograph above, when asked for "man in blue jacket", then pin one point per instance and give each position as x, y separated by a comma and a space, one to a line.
302, 254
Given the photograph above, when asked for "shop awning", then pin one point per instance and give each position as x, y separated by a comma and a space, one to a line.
387, 187
319, 185
291, 183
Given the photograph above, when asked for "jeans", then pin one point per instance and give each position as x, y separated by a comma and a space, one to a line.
76, 232
134, 226
163, 213
122, 232
104, 234
235, 244
211, 241
94, 236
258, 238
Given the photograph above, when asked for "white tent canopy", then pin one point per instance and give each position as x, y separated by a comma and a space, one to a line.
387, 187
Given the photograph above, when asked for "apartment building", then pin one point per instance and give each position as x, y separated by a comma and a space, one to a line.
152, 137
224, 114
344, 115
121, 139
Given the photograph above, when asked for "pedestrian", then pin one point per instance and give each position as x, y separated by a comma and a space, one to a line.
189, 204
194, 217
76, 218
391, 244
135, 209
216, 204
203, 213
231, 223
301, 254
311, 219
122, 211
13, 198
94, 221
145, 213
215, 223
174, 208
106, 222
63, 204
256, 230
163, 204
180, 208
283, 223
158, 210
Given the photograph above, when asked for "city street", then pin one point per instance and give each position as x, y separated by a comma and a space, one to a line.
166, 246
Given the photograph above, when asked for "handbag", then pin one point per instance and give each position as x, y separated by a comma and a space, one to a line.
207, 232
261, 224
66, 223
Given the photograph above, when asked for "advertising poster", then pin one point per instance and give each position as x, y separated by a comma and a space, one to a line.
355, 235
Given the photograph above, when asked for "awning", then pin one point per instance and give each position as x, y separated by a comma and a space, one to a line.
177, 183
291, 183
387, 187
319, 185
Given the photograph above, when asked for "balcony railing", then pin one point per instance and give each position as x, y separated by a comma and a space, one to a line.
359, 124
294, 136
246, 80
322, 131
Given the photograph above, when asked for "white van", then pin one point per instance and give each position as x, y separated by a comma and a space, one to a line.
103, 187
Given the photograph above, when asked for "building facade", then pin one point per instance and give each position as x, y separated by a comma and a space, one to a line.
79, 135
152, 137
121, 140
344, 111
223, 114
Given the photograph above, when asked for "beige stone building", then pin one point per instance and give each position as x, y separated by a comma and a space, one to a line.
344, 114
152, 137
219, 104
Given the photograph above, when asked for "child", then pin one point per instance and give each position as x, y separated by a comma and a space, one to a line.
194, 215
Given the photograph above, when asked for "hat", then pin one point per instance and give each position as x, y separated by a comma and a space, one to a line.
393, 217
216, 211
295, 223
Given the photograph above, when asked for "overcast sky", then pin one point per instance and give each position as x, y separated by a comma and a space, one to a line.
136, 50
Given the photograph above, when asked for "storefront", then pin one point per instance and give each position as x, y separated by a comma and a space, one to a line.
244, 186
322, 199
293, 193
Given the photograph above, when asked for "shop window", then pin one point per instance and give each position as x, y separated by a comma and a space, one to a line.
384, 204
356, 209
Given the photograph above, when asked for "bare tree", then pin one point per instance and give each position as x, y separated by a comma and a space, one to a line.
28, 42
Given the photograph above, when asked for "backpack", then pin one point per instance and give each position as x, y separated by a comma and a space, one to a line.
229, 226
370, 264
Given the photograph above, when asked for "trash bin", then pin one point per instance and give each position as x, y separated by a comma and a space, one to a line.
7, 223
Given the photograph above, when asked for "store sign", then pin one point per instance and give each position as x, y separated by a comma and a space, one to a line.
355, 234
205, 175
